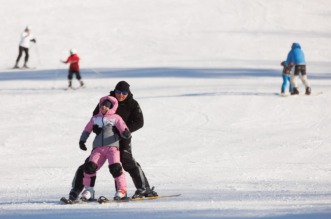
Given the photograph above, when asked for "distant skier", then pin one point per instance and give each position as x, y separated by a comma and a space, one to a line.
24, 45
73, 59
297, 57
286, 77
105, 147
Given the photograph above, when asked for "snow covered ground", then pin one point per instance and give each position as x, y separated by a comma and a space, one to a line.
205, 73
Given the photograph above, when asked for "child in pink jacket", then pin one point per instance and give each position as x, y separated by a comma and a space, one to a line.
105, 147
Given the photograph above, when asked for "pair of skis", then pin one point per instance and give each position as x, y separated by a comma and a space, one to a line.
104, 200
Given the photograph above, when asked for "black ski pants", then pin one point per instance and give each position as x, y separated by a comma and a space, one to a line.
22, 49
129, 164
72, 73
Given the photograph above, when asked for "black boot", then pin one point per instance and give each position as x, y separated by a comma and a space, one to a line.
73, 195
147, 192
308, 91
70, 83
16, 65
295, 91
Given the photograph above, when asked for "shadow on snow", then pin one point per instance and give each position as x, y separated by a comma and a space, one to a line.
54, 74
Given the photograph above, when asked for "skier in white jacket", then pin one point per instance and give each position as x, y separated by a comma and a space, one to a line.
24, 45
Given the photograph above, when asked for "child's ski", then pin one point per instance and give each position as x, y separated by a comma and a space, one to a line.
104, 200
66, 201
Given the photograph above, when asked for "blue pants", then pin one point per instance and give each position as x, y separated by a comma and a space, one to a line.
286, 78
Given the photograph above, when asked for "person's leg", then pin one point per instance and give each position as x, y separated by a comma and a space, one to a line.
116, 170
20, 52
304, 78
79, 78
284, 84
70, 75
97, 159
26, 58
77, 182
303, 72
288, 78
131, 166
294, 79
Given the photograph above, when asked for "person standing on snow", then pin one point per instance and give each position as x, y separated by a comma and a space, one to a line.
297, 57
286, 77
105, 147
129, 110
73, 59
24, 45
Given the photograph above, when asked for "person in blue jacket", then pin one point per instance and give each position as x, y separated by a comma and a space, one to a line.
297, 57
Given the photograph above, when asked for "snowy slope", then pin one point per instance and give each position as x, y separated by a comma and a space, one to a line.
205, 74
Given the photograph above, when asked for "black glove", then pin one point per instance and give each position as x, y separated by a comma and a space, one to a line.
126, 134
33, 40
96, 129
82, 145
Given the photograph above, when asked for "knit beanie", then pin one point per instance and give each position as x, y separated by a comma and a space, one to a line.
123, 86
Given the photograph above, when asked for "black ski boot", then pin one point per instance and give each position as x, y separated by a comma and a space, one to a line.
73, 195
81, 83
295, 91
25, 65
308, 91
148, 192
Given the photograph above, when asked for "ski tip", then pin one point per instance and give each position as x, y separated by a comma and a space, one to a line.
66, 201
103, 199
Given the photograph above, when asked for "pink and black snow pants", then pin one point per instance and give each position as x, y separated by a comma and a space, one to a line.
99, 156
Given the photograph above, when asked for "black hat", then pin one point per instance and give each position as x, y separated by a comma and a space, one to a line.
107, 103
123, 86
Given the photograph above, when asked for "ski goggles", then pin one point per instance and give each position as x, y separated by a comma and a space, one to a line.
121, 92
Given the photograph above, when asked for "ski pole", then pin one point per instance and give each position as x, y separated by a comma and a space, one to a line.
56, 76
37, 53
96, 72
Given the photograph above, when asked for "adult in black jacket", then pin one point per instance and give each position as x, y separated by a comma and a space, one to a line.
129, 110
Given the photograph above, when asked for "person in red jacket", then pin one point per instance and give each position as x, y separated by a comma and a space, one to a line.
73, 59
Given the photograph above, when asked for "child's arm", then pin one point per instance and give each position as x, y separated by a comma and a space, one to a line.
85, 134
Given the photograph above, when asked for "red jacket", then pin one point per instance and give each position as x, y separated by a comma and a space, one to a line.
73, 60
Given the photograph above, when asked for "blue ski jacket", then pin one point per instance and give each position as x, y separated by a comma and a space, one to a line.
296, 55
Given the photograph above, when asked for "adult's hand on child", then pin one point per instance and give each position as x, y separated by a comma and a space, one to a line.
126, 134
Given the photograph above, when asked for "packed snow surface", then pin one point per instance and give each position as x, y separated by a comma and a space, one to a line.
206, 75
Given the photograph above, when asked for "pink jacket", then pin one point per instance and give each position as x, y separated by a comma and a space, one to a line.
106, 122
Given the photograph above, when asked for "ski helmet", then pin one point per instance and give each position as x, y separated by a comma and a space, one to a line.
73, 51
